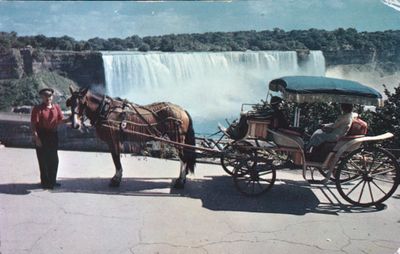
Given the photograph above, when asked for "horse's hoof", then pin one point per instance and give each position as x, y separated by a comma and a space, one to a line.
178, 184
114, 183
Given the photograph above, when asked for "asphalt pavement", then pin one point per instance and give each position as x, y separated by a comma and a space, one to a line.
144, 215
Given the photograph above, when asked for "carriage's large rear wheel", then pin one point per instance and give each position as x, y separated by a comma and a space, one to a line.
375, 175
256, 180
233, 155
344, 176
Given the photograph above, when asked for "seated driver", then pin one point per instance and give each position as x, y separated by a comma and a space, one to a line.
279, 117
334, 131
280, 120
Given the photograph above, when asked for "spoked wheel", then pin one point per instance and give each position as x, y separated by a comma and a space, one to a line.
317, 174
343, 178
233, 154
254, 181
375, 175
324, 173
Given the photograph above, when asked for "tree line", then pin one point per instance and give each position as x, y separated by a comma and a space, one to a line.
276, 39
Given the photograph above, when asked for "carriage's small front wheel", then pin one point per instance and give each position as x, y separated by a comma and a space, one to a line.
375, 175
254, 181
233, 154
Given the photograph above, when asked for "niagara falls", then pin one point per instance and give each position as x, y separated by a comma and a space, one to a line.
211, 85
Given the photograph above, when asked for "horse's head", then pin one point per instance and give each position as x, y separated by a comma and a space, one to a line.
77, 103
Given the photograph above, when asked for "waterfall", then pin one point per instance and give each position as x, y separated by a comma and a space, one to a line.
210, 85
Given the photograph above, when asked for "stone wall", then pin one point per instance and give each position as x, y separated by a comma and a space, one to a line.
15, 131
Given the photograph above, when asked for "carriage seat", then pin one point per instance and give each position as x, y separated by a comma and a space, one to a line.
358, 129
350, 137
319, 153
294, 135
344, 139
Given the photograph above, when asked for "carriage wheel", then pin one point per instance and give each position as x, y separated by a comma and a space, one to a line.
375, 176
254, 181
232, 154
324, 173
343, 178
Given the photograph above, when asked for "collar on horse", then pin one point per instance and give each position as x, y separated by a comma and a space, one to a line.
101, 112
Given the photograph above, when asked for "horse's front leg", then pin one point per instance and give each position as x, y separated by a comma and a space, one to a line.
116, 179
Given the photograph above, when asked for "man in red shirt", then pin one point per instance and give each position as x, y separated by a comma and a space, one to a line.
45, 119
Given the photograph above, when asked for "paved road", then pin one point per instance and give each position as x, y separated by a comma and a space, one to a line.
209, 216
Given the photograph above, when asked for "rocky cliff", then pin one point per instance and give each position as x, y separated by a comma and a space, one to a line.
386, 61
11, 64
85, 68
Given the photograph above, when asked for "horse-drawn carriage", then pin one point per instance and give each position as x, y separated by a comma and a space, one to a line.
365, 174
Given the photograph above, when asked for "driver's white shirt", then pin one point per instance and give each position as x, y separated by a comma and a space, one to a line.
342, 125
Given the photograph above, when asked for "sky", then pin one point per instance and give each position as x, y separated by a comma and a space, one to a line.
84, 20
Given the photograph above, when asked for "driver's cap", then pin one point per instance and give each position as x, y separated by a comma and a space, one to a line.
46, 91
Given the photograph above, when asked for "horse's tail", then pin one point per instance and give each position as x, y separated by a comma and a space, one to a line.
189, 155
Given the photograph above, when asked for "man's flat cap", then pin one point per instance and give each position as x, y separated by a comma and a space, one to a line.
46, 91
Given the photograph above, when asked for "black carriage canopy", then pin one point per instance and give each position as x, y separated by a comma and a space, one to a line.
321, 89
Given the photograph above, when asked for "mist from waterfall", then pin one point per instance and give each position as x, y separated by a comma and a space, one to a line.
210, 85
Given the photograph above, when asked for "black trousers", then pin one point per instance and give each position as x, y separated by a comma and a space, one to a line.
48, 157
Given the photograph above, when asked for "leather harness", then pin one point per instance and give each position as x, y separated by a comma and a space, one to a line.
105, 109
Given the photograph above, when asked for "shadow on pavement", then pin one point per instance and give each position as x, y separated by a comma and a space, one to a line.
217, 193
18, 188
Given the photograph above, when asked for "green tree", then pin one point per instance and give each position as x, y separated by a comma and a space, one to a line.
144, 47
387, 118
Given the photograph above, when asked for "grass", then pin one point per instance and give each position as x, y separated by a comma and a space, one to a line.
24, 91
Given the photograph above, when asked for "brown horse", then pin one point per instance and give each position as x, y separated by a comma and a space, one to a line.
117, 121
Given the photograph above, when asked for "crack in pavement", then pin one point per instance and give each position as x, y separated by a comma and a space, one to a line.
131, 249
351, 239
203, 246
65, 211
41, 237
278, 230
274, 232
256, 240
